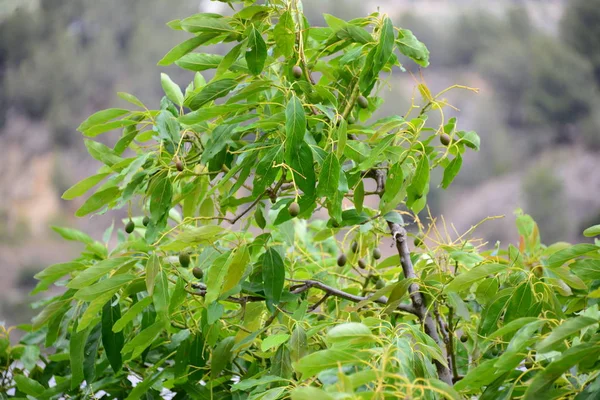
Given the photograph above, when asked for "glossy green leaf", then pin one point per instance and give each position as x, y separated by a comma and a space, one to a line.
468, 278
185, 47
152, 270
285, 34
143, 340
212, 91
83, 186
451, 171
133, 312
412, 48
560, 257
592, 231
221, 356
171, 89
77, 355
94, 272
273, 274
563, 331
274, 341
101, 117
109, 285
329, 177
102, 153
97, 201
112, 339
321, 360
295, 125
201, 23
29, 386
256, 53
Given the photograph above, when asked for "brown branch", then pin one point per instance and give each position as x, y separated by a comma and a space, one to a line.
417, 299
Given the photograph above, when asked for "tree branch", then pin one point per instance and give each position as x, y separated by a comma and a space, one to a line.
418, 300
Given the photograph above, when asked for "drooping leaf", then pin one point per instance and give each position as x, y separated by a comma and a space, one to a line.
285, 34
172, 90
112, 340
295, 125
563, 331
411, 47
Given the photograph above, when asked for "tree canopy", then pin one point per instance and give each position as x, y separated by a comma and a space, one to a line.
255, 262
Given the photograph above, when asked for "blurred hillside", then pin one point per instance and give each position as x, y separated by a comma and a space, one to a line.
536, 63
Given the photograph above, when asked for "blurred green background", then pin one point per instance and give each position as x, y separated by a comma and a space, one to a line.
536, 63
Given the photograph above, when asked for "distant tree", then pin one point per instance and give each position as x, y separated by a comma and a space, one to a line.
581, 30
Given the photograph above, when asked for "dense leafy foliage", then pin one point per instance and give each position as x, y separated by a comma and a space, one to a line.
253, 267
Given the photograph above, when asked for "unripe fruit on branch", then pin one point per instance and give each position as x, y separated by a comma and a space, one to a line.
179, 165
129, 227
464, 338
445, 139
351, 120
538, 271
362, 264
376, 254
341, 261
146, 220
294, 209
363, 102
184, 259
198, 273
297, 72
380, 284
354, 247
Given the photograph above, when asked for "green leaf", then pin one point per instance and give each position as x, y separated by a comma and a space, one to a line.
77, 355
419, 186
131, 99
451, 171
588, 269
83, 186
73, 234
97, 201
543, 380
298, 344
411, 47
342, 137
230, 59
562, 256
468, 278
220, 137
143, 340
133, 312
112, 340
143, 387
273, 273
395, 190
90, 353
378, 150
172, 90
102, 153
520, 303
592, 231
221, 356
563, 331
160, 297
511, 327
101, 117
281, 363
212, 91
29, 386
184, 48
236, 269
321, 360
274, 341
55, 272
94, 272
201, 23
161, 198
310, 393
152, 270
385, 47
470, 139
256, 53
295, 126
359, 196
285, 34
109, 126
215, 276
266, 171
110, 285
350, 333
301, 162
91, 312
246, 384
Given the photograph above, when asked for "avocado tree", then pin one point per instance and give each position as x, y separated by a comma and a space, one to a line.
261, 204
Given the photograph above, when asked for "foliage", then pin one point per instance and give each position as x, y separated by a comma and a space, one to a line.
267, 308
581, 30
